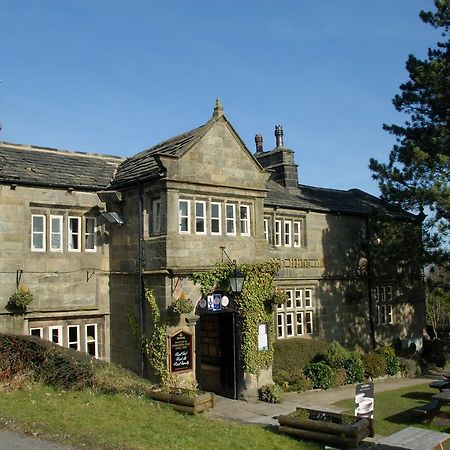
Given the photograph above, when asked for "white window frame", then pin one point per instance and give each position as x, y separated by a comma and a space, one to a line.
156, 216
216, 219
244, 220
78, 341
308, 299
278, 225
186, 217
299, 323
40, 329
38, 233
230, 219
71, 233
298, 298
89, 341
290, 323
290, 298
53, 232
287, 233
309, 316
266, 229
200, 218
280, 325
88, 234
59, 328
296, 234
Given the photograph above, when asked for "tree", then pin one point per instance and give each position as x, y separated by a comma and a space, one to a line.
438, 301
417, 174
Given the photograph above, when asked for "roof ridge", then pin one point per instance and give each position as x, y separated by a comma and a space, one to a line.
29, 147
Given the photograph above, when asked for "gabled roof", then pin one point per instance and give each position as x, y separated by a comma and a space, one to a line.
144, 164
42, 166
310, 198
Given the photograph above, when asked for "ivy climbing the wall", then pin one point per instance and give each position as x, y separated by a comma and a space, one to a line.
254, 305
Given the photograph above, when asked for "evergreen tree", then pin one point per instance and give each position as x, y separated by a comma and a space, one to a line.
417, 173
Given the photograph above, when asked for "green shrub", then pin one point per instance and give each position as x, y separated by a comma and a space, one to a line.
336, 355
354, 368
392, 362
271, 393
435, 352
339, 377
374, 365
321, 375
293, 381
292, 355
409, 367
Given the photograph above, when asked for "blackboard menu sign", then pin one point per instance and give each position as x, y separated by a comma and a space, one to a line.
180, 351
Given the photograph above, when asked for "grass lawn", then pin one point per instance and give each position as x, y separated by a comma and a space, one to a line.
91, 420
392, 410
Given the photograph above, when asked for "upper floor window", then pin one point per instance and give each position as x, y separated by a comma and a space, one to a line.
89, 234
230, 219
74, 234
244, 217
184, 211
277, 233
383, 296
156, 216
287, 232
38, 233
200, 217
216, 218
296, 234
266, 229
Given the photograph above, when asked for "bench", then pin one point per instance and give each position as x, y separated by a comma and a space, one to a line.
412, 438
440, 384
427, 411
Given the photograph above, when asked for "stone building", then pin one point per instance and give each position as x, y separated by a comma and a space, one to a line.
88, 233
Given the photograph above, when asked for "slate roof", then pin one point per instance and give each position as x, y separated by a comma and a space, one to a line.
310, 198
144, 164
44, 166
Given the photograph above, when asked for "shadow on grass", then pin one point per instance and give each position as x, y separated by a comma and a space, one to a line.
403, 418
424, 396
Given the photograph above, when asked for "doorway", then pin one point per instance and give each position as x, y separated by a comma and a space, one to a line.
217, 365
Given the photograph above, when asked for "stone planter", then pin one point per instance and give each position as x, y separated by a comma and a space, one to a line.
183, 403
326, 427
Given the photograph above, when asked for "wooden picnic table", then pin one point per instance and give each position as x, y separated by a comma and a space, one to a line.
413, 438
446, 375
443, 396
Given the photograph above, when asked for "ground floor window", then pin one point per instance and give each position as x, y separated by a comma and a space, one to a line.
383, 296
296, 316
81, 336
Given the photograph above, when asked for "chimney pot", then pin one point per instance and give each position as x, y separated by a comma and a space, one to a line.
279, 136
259, 143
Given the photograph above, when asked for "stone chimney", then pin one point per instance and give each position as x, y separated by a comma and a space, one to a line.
218, 109
280, 161
259, 143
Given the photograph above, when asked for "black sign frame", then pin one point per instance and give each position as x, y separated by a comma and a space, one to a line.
180, 351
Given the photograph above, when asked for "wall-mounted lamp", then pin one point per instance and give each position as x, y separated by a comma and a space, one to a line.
237, 282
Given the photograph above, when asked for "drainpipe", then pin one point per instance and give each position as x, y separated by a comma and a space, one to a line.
141, 277
369, 286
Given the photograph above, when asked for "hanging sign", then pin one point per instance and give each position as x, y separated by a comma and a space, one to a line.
180, 351
215, 302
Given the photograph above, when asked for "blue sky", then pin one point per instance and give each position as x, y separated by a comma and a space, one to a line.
116, 77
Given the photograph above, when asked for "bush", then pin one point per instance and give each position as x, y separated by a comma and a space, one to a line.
409, 367
271, 393
320, 374
336, 355
292, 355
435, 352
354, 369
392, 362
339, 377
374, 365
293, 381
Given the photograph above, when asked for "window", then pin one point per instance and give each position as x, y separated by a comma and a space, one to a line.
74, 234
244, 217
73, 336
230, 219
383, 296
89, 234
296, 235
156, 216
55, 334
277, 233
91, 340
287, 233
296, 316
216, 218
38, 233
200, 219
184, 216
56, 230
37, 331
266, 229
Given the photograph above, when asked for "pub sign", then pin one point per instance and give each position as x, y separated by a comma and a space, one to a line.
180, 345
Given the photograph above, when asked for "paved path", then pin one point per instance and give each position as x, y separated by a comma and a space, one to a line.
11, 440
267, 413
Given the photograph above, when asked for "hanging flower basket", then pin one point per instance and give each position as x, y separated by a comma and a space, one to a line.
19, 300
